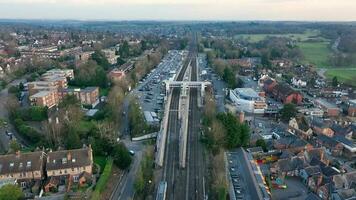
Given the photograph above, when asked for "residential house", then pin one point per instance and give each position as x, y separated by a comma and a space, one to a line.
26, 168
346, 131
292, 143
298, 82
345, 181
282, 63
299, 126
333, 146
352, 108
321, 126
288, 167
317, 154
349, 150
312, 196
344, 194
309, 172
69, 165
325, 191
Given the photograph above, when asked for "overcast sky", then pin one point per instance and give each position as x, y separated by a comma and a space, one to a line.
311, 10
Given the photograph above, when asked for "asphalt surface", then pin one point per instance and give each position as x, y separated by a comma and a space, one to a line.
125, 188
247, 174
218, 84
4, 139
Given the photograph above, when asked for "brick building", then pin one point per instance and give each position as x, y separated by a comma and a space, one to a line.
330, 109
286, 94
45, 99
86, 96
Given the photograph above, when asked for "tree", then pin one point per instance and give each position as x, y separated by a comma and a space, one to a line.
237, 134
21, 86
100, 59
90, 74
265, 60
124, 50
15, 146
229, 77
72, 141
11, 192
262, 143
120, 61
121, 156
335, 82
288, 111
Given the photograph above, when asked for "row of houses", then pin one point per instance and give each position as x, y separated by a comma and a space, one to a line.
312, 166
38, 170
336, 137
53, 87
282, 92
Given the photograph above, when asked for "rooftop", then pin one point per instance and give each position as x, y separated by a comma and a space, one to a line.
69, 158
246, 92
325, 103
41, 94
21, 162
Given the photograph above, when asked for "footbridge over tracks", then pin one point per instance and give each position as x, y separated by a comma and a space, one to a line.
185, 85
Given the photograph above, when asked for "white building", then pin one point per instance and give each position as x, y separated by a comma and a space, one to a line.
248, 100
298, 82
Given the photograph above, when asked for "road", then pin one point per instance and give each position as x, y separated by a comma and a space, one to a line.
4, 140
125, 188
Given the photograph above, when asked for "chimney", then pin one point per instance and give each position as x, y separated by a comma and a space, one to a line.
18, 153
90, 153
242, 117
69, 156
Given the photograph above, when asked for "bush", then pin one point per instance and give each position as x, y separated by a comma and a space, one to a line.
101, 184
34, 113
26, 131
121, 156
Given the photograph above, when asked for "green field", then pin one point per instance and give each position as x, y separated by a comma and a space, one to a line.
297, 36
316, 53
345, 75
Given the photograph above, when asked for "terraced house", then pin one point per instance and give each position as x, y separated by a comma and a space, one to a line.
36, 170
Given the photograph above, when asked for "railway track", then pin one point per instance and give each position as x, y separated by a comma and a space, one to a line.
184, 183
195, 156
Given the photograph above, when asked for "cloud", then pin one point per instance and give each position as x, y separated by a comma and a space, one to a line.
181, 9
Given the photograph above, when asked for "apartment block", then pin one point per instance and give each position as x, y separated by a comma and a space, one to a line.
45, 99
86, 96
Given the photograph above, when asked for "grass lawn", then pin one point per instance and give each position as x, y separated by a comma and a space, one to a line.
347, 75
101, 161
316, 53
297, 36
